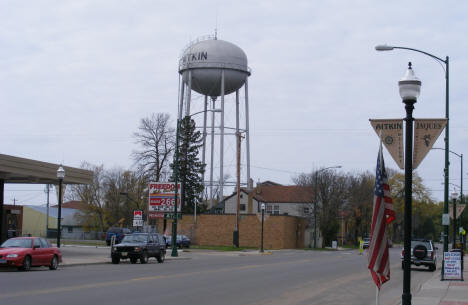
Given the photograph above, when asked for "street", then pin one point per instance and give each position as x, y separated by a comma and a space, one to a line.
209, 277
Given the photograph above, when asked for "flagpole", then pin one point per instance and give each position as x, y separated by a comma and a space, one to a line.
380, 156
377, 295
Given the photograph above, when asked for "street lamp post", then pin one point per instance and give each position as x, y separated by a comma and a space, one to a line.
315, 200
60, 176
174, 252
263, 220
176, 178
461, 172
409, 87
454, 237
446, 139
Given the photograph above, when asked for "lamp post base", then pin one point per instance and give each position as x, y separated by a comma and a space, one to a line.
174, 252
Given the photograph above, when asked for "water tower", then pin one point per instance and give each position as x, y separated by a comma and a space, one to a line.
215, 68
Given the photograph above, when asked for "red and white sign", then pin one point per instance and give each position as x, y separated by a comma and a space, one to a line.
137, 218
161, 198
154, 215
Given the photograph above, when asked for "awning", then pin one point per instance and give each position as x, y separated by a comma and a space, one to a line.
21, 170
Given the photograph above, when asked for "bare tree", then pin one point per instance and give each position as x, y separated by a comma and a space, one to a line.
93, 196
330, 190
104, 204
157, 142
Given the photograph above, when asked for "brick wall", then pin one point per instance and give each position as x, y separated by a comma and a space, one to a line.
280, 232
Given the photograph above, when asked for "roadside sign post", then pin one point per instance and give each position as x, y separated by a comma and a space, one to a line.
451, 266
137, 218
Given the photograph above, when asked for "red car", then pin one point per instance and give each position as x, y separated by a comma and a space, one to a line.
26, 252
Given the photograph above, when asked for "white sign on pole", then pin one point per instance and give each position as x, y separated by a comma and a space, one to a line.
452, 266
137, 222
445, 219
137, 218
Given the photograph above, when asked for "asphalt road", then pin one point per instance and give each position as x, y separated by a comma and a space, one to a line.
284, 277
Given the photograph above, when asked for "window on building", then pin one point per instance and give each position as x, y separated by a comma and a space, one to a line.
242, 207
70, 229
241, 196
306, 210
268, 209
276, 210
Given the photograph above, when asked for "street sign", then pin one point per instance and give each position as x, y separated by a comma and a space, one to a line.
137, 218
445, 219
171, 216
137, 214
460, 208
137, 222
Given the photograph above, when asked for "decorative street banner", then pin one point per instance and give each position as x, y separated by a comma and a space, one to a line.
161, 198
392, 137
460, 208
452, 266
426, 132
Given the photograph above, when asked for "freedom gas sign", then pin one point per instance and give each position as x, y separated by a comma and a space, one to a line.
161, 197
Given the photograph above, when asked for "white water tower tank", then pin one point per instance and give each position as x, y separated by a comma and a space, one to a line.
207, 59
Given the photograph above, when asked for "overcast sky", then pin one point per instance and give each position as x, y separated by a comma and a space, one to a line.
76, 77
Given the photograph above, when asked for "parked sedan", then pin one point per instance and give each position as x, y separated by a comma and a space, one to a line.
27, 252
182, 241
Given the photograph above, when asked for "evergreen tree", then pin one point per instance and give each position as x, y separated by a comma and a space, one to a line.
190, 168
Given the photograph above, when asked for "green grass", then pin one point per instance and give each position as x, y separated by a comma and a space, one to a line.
220, 248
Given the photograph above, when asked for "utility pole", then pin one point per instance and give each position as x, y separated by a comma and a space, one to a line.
236, 232
47, 219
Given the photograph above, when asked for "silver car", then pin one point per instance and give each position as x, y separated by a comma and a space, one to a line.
423, 253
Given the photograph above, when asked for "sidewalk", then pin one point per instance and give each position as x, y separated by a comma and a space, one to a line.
437, 292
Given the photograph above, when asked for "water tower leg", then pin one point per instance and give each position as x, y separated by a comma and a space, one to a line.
189, 93
247, 133
221, 146
237, 127
212, 153
237, 113
181, 99
204, 137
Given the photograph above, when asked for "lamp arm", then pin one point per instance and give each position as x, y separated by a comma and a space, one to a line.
428, 54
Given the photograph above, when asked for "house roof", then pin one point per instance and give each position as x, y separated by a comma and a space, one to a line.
284, 194
68, 215
276, 193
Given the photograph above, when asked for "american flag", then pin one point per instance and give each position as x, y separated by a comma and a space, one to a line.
382, 215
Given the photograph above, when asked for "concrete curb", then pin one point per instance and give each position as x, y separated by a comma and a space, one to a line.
108, 261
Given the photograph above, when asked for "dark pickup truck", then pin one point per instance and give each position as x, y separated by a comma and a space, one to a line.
140, 246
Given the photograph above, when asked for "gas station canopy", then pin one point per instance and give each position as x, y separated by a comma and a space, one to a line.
21, 170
